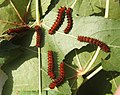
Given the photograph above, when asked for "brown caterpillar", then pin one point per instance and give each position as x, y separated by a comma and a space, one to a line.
38, 35
101, 44
59, 20
60, 78
18, 30
69, 19
51, 65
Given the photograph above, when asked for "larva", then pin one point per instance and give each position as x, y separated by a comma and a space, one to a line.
101, 44
59, 20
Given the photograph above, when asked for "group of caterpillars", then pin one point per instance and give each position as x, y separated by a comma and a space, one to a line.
25, 28
51, 73
59, 20
56, 25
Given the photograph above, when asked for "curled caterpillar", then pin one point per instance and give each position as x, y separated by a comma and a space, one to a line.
38, 35
101, 44
51, 65
60, 78
18, 30
59, 20
69, 19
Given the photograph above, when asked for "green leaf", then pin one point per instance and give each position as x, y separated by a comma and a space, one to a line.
3, 78
9, 7
112, 61
114, 9
92, 7
1, 1
22, 73
45, 5
45, 78
105, 30
104, 83
28, 93
7, 49
65, 46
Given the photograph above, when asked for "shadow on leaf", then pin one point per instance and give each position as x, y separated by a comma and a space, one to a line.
99, 84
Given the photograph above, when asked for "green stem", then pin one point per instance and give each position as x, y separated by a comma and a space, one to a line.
16, 11
107, 9
94, 73
93, 60
91, 63
40, 73
78, 61
74, 4
98, 49
37, 13
39, 51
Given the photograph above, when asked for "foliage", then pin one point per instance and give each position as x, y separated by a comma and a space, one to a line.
19, 59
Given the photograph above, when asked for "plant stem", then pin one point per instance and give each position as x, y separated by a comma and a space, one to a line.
40, 73
37, 12
91, 63
78, 61
16, 11
39, 51
93, 60
73, 4
114, 81
98, 49
12, 23
107, 9
70, 67
94, 73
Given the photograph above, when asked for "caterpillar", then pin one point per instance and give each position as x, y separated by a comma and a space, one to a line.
101, 44
51, 65
38, 35
62, 69
69, 19
18, 30
59, 20
60, 78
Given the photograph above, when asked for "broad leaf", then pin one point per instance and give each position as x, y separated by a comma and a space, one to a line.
23, 71
96, 27
3, 78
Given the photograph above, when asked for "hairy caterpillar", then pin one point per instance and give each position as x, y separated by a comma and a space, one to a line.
101, 44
